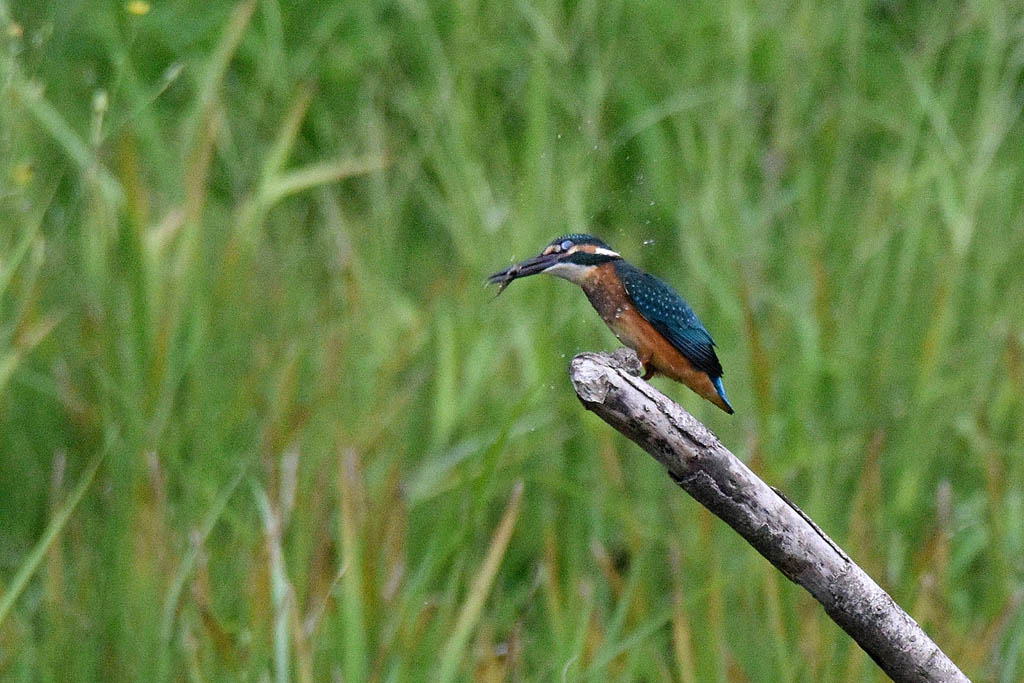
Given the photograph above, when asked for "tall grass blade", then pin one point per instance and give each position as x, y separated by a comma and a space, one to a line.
469, 614
52, 533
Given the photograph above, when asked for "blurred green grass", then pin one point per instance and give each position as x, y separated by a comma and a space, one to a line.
241, 260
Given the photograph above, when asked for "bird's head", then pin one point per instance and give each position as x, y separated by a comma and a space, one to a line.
570, 257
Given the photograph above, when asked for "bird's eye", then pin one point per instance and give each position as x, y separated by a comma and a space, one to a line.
565, 245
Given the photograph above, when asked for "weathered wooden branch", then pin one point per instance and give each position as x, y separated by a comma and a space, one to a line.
609, 385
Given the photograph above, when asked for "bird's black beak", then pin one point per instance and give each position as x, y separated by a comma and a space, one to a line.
531, 266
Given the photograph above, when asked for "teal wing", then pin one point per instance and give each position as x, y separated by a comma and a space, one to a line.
670, 316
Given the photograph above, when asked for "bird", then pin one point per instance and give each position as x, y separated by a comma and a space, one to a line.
643, 312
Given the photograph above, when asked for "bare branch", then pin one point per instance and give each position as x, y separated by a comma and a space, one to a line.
609, 385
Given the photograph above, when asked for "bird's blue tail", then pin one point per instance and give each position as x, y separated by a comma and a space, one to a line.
717, 381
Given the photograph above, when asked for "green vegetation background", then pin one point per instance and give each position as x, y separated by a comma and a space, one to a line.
260, 418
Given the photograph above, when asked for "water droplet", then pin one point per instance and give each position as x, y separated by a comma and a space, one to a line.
651, 204
648, 243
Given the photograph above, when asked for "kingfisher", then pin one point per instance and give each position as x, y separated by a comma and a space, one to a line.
645, 313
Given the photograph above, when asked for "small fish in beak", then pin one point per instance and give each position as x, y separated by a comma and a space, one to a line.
531, 266
503, 279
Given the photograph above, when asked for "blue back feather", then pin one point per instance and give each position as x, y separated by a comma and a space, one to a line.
672, 317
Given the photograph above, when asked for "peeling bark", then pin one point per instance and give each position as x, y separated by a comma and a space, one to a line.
610, 386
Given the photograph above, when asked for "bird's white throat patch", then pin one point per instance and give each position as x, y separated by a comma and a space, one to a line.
569, 271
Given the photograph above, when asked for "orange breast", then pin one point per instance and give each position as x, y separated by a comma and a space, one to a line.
609, 298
